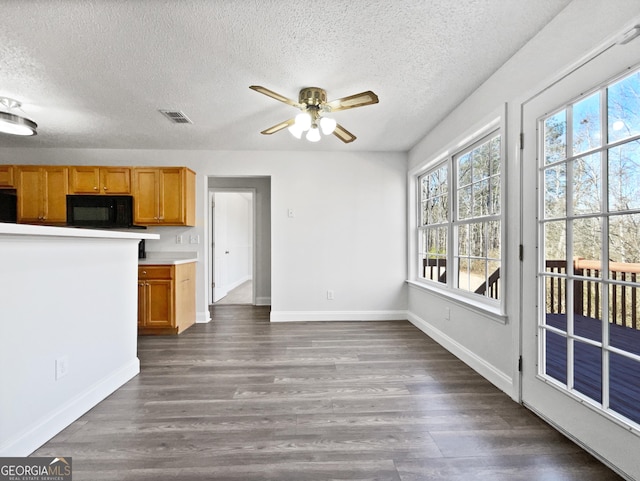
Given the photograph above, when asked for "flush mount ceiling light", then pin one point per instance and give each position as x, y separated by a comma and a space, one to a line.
11, 123
312, 101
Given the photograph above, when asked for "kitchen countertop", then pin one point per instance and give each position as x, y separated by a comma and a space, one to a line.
53, 231
168, 258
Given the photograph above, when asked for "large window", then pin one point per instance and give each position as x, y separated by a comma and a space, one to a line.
590, 257
459, 227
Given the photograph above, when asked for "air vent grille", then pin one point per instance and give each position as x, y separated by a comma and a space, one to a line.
176, 116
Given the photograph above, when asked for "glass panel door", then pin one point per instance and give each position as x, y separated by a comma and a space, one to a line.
581, 236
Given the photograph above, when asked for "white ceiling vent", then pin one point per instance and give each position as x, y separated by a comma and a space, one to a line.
176, 116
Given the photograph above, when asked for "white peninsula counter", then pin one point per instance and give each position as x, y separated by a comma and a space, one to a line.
68, 326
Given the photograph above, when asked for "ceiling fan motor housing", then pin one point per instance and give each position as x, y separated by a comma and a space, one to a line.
312, 96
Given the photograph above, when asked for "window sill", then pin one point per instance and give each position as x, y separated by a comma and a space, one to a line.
494, 313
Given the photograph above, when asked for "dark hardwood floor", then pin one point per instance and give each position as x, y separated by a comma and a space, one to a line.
242, 399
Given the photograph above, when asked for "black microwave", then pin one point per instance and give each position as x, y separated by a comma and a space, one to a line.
104, 211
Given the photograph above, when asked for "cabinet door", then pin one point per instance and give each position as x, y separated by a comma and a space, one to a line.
172, 208
145, 192
30, 194
185, 287
115, 180
84, 180
160, 303
142, 303
56, 187
7, 180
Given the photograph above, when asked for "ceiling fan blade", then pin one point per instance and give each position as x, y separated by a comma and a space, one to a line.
275, 95
343, 134
353, 101
278, 127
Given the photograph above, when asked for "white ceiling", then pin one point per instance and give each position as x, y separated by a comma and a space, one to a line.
93, 74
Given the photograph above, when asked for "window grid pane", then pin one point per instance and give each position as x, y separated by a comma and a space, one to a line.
590, 258
478, 257
471, 237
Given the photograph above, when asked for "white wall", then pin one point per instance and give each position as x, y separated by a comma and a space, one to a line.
57, 301
348, 233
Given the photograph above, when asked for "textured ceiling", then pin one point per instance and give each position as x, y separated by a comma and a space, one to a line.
93, 74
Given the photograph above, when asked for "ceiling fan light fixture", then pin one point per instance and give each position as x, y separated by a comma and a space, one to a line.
15, 124
312, 102
328, 125
313, 135
303, 121
296, 131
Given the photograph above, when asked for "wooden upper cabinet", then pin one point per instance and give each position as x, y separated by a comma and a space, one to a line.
164, 196
42, 194
7, 177
146, 196
99, 180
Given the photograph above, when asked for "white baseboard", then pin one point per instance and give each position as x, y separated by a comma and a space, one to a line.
203, 317
263, 301
481, 366
295, 316
47, 427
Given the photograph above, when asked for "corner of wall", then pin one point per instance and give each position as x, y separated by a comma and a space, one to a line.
498, 378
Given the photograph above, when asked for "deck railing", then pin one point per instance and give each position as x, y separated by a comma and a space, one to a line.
587, 297
436, 269
491, 285
624, 309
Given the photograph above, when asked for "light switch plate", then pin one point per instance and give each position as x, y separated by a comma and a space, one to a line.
62, 367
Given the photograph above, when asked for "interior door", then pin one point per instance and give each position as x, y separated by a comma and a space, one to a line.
219, 224
554, 379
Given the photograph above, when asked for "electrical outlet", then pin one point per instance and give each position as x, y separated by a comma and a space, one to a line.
447, 314
179, 239
330, 295
62, 367
194, 239
291, 213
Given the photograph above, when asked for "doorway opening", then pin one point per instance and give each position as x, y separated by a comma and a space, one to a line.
233, 247
259, 190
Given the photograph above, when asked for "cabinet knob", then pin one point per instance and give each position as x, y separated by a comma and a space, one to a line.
95, 188
104, 188
144, 272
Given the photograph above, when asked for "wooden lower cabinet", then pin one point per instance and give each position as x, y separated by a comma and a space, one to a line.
166, 298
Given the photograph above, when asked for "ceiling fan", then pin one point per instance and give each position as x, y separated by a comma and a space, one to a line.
312, 101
